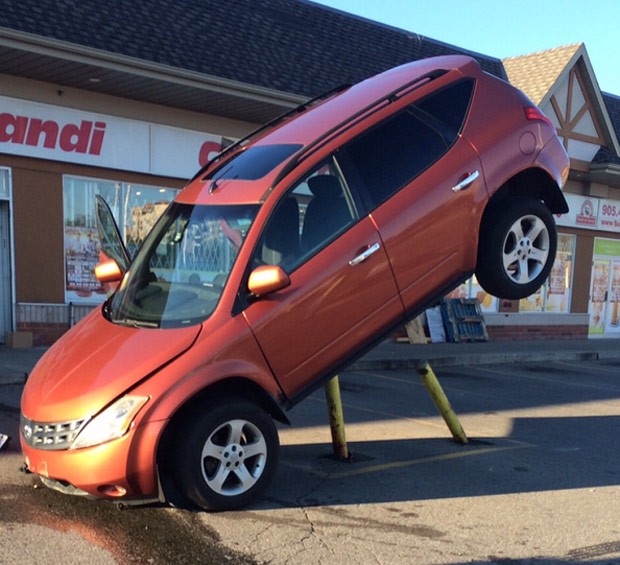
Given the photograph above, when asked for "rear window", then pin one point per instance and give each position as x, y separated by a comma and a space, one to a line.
253, 163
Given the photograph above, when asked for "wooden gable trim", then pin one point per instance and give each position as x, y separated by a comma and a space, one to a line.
567, 125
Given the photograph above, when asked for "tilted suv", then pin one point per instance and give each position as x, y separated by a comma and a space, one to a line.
292, 252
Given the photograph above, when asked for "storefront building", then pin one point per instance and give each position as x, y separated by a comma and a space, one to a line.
55, 161
583, 289
77, 120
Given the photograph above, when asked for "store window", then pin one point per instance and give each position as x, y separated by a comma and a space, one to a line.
472, 289
6, 282
4, 184
555, 294
604, 307
135, 208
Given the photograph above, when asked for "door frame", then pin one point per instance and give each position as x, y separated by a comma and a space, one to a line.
7, 264
606, 257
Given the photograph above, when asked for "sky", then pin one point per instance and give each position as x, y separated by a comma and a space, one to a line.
506, 28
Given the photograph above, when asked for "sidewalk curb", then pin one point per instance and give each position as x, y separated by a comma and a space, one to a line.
484, 359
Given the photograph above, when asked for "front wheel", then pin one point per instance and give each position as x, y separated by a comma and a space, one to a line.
517, 248
229, 456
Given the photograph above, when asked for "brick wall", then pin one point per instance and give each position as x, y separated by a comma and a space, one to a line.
48, 322
536, 326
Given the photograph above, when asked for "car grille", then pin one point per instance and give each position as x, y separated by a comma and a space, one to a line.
50, 435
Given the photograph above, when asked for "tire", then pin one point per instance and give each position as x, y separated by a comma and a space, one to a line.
230, 456
517, 248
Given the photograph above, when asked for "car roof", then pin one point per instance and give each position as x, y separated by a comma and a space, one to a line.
308, 127
311, 124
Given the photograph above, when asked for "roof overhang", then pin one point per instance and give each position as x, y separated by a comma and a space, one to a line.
605, 173
67, 64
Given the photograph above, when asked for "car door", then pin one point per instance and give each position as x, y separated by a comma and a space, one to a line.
425, 184
341, 293
110, 240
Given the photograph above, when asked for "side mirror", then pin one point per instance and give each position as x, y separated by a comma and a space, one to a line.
108, 272
267, 279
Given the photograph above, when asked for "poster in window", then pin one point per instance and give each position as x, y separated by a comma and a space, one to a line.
614, 299
135, 208
81, 255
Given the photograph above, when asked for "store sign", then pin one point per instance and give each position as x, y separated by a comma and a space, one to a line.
609, 215
591, 213
43, 131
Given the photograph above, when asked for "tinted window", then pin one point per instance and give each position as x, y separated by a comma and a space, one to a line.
316, 210
253, 163
450, 105
391, 154
397, 150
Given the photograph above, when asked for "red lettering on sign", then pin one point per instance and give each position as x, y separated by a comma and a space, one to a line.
97, 139
12, 128
85, 137
37, 127
207, 150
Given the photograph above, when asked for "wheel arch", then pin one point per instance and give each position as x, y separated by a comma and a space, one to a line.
494, 273
232, 387
533, 182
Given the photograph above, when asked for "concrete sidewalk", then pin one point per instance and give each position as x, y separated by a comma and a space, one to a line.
391, 355
15, 364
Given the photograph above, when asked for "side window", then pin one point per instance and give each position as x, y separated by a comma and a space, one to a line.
397, 150
311, 214
450, 105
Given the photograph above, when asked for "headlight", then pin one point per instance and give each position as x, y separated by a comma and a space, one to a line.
112, 423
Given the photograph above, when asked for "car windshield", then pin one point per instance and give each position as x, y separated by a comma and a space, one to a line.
179, 273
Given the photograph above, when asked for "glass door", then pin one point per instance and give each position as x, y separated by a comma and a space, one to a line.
6, 284
605, 289
598, 296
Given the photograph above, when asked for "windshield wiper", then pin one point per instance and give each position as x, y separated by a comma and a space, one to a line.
135, 323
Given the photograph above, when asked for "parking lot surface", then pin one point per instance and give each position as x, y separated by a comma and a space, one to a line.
537, 483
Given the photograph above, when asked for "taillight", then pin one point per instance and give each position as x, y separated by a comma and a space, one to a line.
534, 113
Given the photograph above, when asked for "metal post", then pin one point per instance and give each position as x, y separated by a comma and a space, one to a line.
441, 401
336, 419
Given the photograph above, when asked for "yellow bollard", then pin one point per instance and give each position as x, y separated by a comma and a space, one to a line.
336, 419
441, 401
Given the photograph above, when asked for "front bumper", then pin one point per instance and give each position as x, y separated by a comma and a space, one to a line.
122, 469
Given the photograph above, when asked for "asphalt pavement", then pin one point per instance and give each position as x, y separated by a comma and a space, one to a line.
538, 481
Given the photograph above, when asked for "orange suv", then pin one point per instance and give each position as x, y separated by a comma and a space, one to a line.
292, 252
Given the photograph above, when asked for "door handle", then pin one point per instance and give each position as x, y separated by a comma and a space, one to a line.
364, 254
466, 182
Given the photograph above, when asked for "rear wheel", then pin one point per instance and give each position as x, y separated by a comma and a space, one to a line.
230, 455
517, 248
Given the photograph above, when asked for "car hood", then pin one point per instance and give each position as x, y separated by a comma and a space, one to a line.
94, 363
